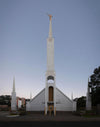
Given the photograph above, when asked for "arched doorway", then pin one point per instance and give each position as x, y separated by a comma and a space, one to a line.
50, 93
51, 103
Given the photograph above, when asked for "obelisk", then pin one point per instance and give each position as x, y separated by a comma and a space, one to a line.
13, 98
50, 88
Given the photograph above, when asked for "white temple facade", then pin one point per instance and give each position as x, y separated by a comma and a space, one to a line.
13, 98
51, 99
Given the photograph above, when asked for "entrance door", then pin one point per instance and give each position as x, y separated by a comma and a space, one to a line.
50, 93
51, 109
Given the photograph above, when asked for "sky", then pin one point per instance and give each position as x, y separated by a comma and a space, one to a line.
24, 27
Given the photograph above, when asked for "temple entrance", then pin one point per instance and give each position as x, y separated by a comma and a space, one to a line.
51, 109
50, 103
50, 94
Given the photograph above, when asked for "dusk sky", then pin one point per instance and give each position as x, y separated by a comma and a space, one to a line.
24, 27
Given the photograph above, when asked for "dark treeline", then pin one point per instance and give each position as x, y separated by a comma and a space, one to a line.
5, 100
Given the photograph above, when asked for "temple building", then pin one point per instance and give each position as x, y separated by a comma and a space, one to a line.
51, 99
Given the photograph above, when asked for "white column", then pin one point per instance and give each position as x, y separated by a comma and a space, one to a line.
13, 98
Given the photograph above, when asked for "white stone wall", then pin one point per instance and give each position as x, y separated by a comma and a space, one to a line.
37, 103
13, 101
74, 105
88, 102
63, 103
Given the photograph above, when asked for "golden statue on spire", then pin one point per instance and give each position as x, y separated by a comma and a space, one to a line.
50, 17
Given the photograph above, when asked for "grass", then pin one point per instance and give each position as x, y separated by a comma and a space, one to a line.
91, 116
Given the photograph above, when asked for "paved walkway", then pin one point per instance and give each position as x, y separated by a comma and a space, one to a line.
4, 116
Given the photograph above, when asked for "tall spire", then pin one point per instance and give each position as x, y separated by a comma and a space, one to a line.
50, 26
13, 84
13, 97
50, 97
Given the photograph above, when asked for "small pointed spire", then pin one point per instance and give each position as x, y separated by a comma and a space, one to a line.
88, 79
72, 96
13, 97
50, 26
13, 84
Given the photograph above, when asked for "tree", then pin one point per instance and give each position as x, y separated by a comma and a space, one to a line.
81, 103
5, 100
95, 86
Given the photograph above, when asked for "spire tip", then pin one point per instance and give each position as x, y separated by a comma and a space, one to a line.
50, 17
